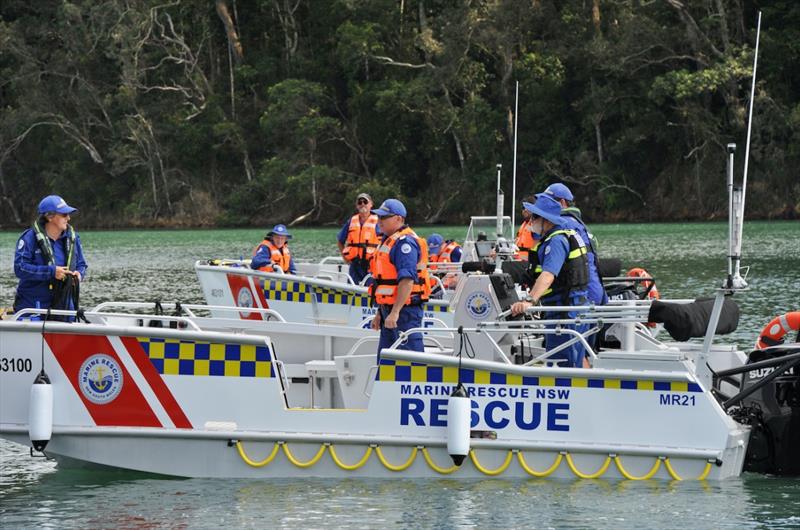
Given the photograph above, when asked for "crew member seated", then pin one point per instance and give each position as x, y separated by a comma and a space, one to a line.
272, 254
441, 251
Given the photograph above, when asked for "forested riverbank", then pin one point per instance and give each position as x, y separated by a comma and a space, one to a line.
236, 113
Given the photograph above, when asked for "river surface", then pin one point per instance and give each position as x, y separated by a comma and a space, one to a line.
687, 260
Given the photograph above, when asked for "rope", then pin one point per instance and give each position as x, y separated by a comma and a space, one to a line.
675, 476
270, 458
532, 472
433, 466
308, 463
401, 467
352, 467
646, 476
491, 472
599, 472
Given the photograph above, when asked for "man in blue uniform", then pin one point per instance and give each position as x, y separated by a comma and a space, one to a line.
49, 259
572, 217
401, 278
560, 273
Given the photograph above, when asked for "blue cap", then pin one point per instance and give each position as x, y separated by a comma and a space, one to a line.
435, 243
54, 203
547, 207
279, 230
390, 207
559, 191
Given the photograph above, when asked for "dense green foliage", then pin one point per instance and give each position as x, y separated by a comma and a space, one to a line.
251, 112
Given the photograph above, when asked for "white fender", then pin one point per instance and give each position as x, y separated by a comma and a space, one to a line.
458, 425
40, 412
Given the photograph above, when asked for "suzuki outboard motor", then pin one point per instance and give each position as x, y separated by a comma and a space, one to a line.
773, 411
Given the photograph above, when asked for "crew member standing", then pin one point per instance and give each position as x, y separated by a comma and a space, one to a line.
358, 239
402, 284
572, 217
561, 274
49, 259
524, 241
272, 254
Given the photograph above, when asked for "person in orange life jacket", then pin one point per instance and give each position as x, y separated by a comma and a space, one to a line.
358, 238
572, 217
273, 253
49, 259
441, 251
401, 278
524, 241
561, 274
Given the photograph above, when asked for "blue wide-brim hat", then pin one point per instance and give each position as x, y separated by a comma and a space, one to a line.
279, 230
54, 203
547, 207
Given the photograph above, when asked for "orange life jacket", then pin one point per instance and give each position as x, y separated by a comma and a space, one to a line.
524, 241
279, 256
362, 239
444, 255
385, 287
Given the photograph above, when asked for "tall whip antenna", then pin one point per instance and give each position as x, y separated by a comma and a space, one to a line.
738, 249
514, 169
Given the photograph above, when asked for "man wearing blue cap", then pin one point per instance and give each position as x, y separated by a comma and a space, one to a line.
443, 251
49, 259
560, 273
402, 284
572, 217
273, 255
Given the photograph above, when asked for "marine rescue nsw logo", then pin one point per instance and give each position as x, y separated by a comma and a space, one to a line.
478, 305
100, 379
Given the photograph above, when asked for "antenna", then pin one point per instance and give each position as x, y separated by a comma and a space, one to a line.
737, 280
514, 169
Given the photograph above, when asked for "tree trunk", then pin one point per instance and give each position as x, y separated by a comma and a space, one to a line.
234, 43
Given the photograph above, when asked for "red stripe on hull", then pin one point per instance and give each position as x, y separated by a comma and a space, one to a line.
129, 408
156, 383
237, 283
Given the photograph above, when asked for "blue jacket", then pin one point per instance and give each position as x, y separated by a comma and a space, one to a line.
35, 273
597, 294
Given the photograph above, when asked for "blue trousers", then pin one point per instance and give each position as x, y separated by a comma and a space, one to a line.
358, 270
410, 317
575, 353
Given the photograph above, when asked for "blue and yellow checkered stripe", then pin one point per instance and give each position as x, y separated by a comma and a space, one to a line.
293, 291
286, 291
409, 372
326, 295
182, 357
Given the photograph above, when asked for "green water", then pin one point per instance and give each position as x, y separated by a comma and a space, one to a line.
688, 260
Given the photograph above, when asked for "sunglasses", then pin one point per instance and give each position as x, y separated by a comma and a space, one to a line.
384, 217
362, 201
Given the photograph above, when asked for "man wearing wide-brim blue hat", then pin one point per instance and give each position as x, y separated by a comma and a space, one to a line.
272, 254
574, 221
560, 275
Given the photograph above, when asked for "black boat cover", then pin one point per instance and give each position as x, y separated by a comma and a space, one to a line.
686, 321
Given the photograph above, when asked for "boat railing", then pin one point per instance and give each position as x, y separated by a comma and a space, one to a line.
190, 309
26, 314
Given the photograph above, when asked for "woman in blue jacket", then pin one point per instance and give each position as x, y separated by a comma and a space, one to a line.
49, 259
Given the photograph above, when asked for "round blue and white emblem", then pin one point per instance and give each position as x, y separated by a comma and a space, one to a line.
406, 248
21, 244
478, 305
244, 298
100, 379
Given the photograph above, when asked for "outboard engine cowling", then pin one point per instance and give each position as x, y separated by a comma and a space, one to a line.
774, 411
